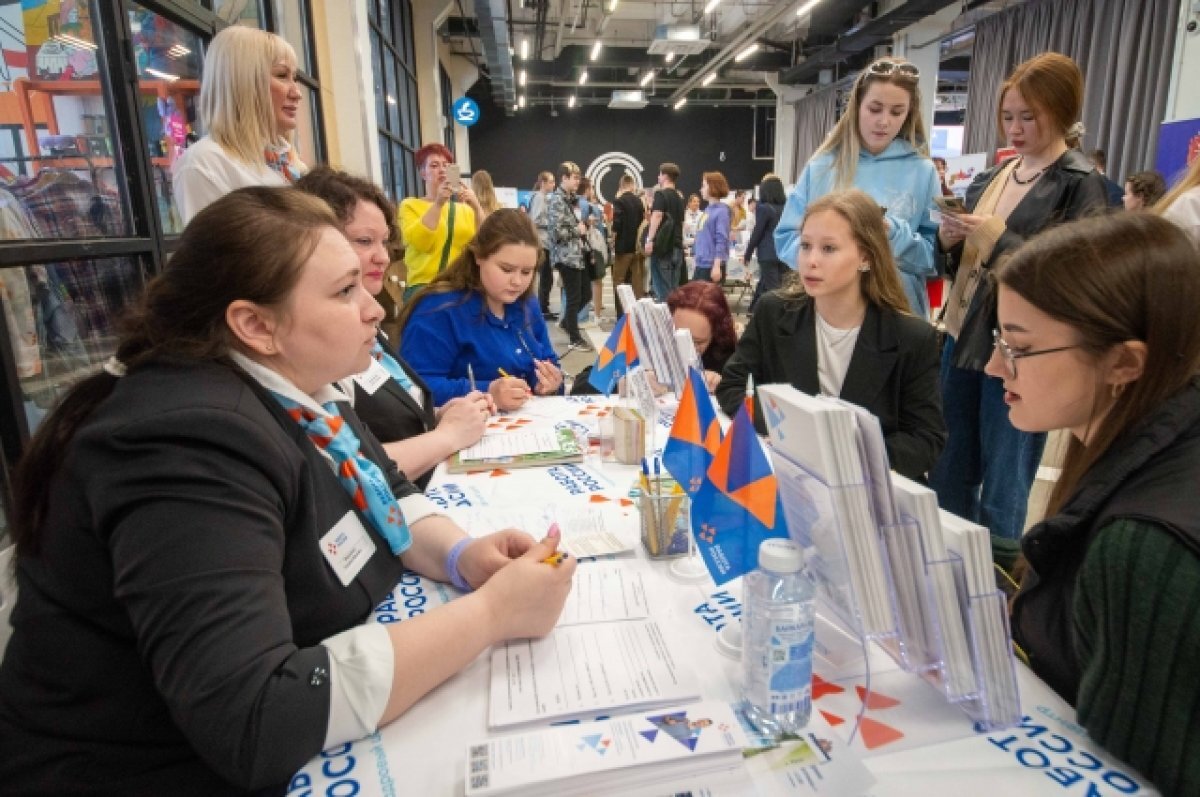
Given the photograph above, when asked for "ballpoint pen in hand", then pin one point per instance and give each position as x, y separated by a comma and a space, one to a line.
471, 376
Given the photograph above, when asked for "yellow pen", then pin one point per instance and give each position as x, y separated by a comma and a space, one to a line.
504, 373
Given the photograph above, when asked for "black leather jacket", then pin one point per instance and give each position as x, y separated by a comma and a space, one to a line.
1070, 189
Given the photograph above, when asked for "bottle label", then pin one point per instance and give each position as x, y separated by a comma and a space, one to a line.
789, 660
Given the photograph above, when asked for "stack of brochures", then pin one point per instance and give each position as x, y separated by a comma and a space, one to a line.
986, 610
828, 503
609, 756
941, 630
888, 564
660, 348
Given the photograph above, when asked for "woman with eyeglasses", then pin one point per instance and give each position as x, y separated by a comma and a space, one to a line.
477, 326
880, 146
1108, 609
988, 467
390, 397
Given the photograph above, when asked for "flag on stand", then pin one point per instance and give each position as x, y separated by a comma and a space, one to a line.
695, 435
616, 358
738, 505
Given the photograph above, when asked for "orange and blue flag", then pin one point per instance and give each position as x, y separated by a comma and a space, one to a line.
695, 435
738, 505
616, 358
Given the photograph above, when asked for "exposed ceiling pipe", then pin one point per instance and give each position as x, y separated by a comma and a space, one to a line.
739, 42
864, 37
493, 33
562, 24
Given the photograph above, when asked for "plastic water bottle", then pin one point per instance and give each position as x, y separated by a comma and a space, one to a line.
777, 638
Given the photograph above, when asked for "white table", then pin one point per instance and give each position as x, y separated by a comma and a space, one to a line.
423, 752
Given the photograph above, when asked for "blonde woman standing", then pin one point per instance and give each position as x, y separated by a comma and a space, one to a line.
1182, 204
880, 146
485, 189
249, 104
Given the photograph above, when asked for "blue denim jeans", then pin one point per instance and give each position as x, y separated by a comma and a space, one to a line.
988, 466
664, 273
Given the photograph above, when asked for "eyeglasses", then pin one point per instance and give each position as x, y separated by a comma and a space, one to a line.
883, 67
1010, 357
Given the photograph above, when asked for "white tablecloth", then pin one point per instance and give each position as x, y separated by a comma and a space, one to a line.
928, 747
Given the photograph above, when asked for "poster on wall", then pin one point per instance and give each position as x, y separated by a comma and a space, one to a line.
59, 41
1178, 146
961, 171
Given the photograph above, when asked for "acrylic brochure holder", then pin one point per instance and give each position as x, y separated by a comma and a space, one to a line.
855, 563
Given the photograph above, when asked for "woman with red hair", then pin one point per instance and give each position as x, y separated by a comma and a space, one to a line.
701, 308
439, 225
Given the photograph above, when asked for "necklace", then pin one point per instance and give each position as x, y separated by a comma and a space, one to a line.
1027, 180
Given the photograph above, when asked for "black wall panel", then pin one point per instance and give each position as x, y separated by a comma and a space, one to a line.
515, 148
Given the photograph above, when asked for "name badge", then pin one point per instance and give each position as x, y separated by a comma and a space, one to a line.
375, 377
347, 547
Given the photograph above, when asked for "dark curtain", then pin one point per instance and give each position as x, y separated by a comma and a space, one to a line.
1124, 48
816, 115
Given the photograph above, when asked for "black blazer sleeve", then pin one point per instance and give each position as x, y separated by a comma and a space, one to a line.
197, 552
748, 358
920, 434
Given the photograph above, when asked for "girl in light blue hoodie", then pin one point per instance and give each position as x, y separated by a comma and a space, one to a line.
880, 146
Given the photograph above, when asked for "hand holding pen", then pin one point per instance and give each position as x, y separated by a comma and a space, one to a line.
526, 597
509, 392
549, 377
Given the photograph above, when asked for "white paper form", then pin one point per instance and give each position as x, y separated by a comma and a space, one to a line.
605, 591
586, 530
585, 668
495, 446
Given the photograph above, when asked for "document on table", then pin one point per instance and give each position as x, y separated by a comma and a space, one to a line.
587, 530
605, 591
514, 444
581, 669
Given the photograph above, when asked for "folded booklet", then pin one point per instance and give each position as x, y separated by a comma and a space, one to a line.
610, 755
523, 449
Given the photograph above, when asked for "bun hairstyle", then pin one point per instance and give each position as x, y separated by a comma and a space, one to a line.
1053, 85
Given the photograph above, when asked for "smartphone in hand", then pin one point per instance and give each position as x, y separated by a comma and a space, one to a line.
454, 175
950, 204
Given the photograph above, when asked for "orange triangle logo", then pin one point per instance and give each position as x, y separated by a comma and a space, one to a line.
875, 734
875, 700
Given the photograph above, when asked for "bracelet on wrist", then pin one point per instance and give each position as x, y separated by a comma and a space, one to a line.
452, 570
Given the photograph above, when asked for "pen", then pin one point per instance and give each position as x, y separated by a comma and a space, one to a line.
471, 376
504, 373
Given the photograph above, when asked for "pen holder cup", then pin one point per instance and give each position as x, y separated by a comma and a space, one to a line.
664, 513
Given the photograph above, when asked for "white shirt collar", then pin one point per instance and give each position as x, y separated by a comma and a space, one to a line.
278, 383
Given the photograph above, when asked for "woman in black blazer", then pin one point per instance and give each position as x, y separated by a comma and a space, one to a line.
845, 331
390, 397
204, 527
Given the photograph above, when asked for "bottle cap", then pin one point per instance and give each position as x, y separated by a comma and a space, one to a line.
780, 556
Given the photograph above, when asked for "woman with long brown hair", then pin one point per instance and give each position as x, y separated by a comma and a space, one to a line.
478, 323
988, 467
1108, 607
845, 330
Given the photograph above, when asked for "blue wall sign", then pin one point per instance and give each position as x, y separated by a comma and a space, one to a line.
466, 111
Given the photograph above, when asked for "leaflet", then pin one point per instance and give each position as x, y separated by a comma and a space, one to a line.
580, 669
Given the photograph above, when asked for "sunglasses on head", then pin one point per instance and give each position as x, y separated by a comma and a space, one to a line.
884, 67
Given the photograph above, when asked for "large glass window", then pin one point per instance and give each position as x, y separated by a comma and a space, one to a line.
393, 61
60, 174
169, 61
